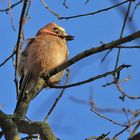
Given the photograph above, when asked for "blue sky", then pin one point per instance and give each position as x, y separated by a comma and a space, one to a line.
71, 120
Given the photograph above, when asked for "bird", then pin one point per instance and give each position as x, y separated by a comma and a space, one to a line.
47, 50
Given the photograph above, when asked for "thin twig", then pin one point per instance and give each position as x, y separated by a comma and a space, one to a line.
49, 9
128, 47
104, 57
27, 11
11, 16
86, 2
59, 97
131, 17
93, 13
8, 58
65, 4
104, 117
109, 84
124, 94
116, 135
127, 117
135, 129
135, 114
122, 31
12, 6
124, 23
118, 55
114, 81
92, 78
104, 110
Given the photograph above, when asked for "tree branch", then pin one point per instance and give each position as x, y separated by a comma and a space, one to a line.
10, 124
12, 6
89, 52
8, 58
18, 41
9, 128
28, 127
93, 13
92, 78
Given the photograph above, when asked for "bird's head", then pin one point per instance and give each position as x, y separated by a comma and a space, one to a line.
54, 29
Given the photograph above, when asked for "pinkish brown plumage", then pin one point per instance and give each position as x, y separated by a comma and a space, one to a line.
44, 52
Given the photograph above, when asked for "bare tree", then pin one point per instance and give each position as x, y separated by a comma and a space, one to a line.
13, 125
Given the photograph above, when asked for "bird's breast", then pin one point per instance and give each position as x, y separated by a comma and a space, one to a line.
50, 54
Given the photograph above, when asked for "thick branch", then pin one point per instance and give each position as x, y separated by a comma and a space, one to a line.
8, 127
89, 52
21, 111
29, 127
8, 124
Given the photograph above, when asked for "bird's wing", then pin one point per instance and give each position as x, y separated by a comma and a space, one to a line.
27, 82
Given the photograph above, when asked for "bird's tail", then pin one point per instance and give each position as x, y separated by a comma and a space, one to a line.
28, 91
22, 90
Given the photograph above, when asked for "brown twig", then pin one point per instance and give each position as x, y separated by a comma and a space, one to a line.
58, 98
106, 110
11, 16
92, 78
93, 13
49, 9
124, 94
113, 82
104, 117
127, 118
135, 114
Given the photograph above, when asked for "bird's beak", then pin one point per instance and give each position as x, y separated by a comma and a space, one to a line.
69, 37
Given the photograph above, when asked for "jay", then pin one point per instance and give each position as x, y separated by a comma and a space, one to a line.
47, 50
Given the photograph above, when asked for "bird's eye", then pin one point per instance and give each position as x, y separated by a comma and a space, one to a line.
56, 30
